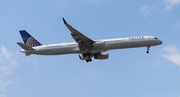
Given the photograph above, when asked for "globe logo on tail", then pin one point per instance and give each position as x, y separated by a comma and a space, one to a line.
32, 42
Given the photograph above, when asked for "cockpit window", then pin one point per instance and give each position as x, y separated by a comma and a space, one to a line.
155, 38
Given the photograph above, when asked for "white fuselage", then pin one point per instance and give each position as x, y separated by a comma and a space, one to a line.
110, 44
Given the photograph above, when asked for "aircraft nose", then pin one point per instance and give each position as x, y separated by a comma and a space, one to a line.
160, 42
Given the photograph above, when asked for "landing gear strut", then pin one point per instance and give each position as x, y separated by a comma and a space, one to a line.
148, 50
87, 54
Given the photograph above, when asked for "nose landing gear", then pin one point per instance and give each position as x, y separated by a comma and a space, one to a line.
148, 50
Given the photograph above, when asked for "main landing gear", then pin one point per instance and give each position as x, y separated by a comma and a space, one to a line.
88, 60
86, 56
148, 50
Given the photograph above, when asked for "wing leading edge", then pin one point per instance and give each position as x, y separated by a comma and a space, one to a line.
83, 41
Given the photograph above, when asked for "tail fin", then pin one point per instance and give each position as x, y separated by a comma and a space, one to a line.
28, 39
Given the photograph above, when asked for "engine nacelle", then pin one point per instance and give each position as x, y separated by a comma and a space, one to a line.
102, 55
99, 44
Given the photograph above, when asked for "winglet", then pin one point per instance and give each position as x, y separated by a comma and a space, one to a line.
64, 21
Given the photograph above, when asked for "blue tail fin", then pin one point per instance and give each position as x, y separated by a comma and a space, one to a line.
28, 39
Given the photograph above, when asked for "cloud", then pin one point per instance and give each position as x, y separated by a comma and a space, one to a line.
172, 53
176, 25
7, 63
147, 9
97, 1
88, 76
91, 75
94, 0
63, 5
168, 3
2, 95
171, 3
3, 84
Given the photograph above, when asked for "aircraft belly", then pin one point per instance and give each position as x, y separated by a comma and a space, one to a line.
131, 44
57, 51
98, 50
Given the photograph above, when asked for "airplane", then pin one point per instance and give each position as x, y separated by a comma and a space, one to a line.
84, 45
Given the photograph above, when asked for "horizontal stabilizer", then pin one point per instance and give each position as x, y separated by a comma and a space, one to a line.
25, 47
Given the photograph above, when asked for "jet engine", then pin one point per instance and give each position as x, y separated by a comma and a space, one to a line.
99, 44
102, 55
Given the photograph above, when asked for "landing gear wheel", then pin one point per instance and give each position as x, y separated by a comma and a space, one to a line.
88, 60
148, 50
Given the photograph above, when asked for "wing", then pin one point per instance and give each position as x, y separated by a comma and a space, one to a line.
83, 41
